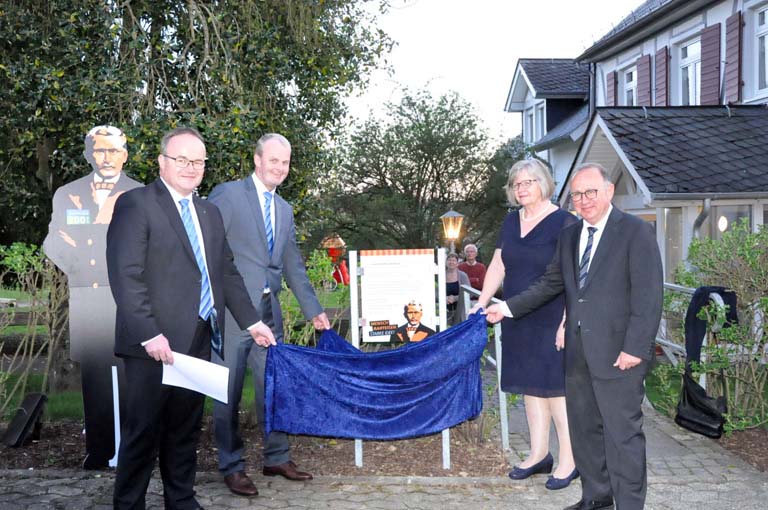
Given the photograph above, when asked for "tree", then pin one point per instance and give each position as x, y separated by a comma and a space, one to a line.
394, 178
233, 69
397, 176
488, 212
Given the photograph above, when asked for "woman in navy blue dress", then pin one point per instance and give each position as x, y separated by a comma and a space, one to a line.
532, 355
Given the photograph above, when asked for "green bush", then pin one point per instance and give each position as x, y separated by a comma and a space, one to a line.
739, 262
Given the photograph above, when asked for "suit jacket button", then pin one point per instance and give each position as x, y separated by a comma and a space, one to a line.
581, 300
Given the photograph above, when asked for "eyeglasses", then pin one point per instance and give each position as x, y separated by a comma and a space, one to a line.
182, 162
524, 184
578, 196
104, 152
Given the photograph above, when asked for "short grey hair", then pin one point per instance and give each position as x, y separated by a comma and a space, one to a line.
183, 130
597, 166
538, 171
271, 136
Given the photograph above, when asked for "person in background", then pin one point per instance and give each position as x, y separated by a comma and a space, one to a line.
532, 347
454, 279
475, 270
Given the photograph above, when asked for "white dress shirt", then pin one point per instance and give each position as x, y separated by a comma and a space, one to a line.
600, 226
193, 212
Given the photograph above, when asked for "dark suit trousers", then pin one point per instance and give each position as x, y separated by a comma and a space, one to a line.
237, 357
160, 418
605, 421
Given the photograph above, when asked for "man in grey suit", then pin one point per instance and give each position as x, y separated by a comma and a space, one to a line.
610, 269
260, 230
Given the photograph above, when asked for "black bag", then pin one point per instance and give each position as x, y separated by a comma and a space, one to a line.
697, 411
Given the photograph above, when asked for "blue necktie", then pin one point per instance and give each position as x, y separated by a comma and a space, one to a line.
268, 221
206, 301
584, 264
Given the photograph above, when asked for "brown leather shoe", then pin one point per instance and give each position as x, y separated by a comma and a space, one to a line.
287, 470
240, 484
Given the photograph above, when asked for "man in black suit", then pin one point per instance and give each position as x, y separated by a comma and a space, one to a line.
172, 274
610, 269
76, 243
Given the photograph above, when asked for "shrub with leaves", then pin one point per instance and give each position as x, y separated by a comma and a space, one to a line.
739, 262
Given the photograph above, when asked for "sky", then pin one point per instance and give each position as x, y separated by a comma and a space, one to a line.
472, 46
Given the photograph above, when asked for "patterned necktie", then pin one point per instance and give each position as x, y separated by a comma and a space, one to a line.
584, 264
206, 300
268, 221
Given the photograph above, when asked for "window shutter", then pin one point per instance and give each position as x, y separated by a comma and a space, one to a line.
710, 65
610, 89
644, 81
733, 44
662, 77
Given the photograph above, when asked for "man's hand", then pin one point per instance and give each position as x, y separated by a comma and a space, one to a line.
626, 361
159, 350
494, 313
321, 322
262, 335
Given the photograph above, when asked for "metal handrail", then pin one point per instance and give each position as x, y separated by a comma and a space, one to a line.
466, 293
671, 350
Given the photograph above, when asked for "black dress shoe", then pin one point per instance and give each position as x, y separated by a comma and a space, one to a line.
239, 483
287, 470
543, 466
91, 463
599, 504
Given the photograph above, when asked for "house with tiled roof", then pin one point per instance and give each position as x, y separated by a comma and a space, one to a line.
551, 94
677, 114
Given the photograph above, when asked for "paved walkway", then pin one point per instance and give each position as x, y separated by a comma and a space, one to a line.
684, 471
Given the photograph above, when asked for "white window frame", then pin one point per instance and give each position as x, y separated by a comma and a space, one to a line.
539, 121
690, 63
761, 32
629, 87
528, 125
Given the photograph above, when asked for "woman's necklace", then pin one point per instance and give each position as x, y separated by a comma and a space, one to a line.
535, 216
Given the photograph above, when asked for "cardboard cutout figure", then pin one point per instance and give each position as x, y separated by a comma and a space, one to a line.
76, 243
413, 330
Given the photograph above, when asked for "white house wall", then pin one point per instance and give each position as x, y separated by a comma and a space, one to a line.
679, 33
561, 157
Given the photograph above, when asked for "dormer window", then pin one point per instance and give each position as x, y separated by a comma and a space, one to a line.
630, 87
539, 121
690, 73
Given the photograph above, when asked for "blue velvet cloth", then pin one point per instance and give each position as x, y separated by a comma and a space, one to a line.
336, 390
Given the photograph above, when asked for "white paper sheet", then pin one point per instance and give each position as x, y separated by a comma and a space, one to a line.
197, 375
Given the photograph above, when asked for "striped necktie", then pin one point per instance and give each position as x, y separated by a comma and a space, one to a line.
206, 299
584, 264
268, 221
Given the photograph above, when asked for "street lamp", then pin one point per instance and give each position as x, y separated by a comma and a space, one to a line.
452, 226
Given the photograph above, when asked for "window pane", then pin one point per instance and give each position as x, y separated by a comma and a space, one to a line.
761, 18
725, 217
673, 241
694, 49
684, 52
630, 77
761, 67
630, 98
686, 87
